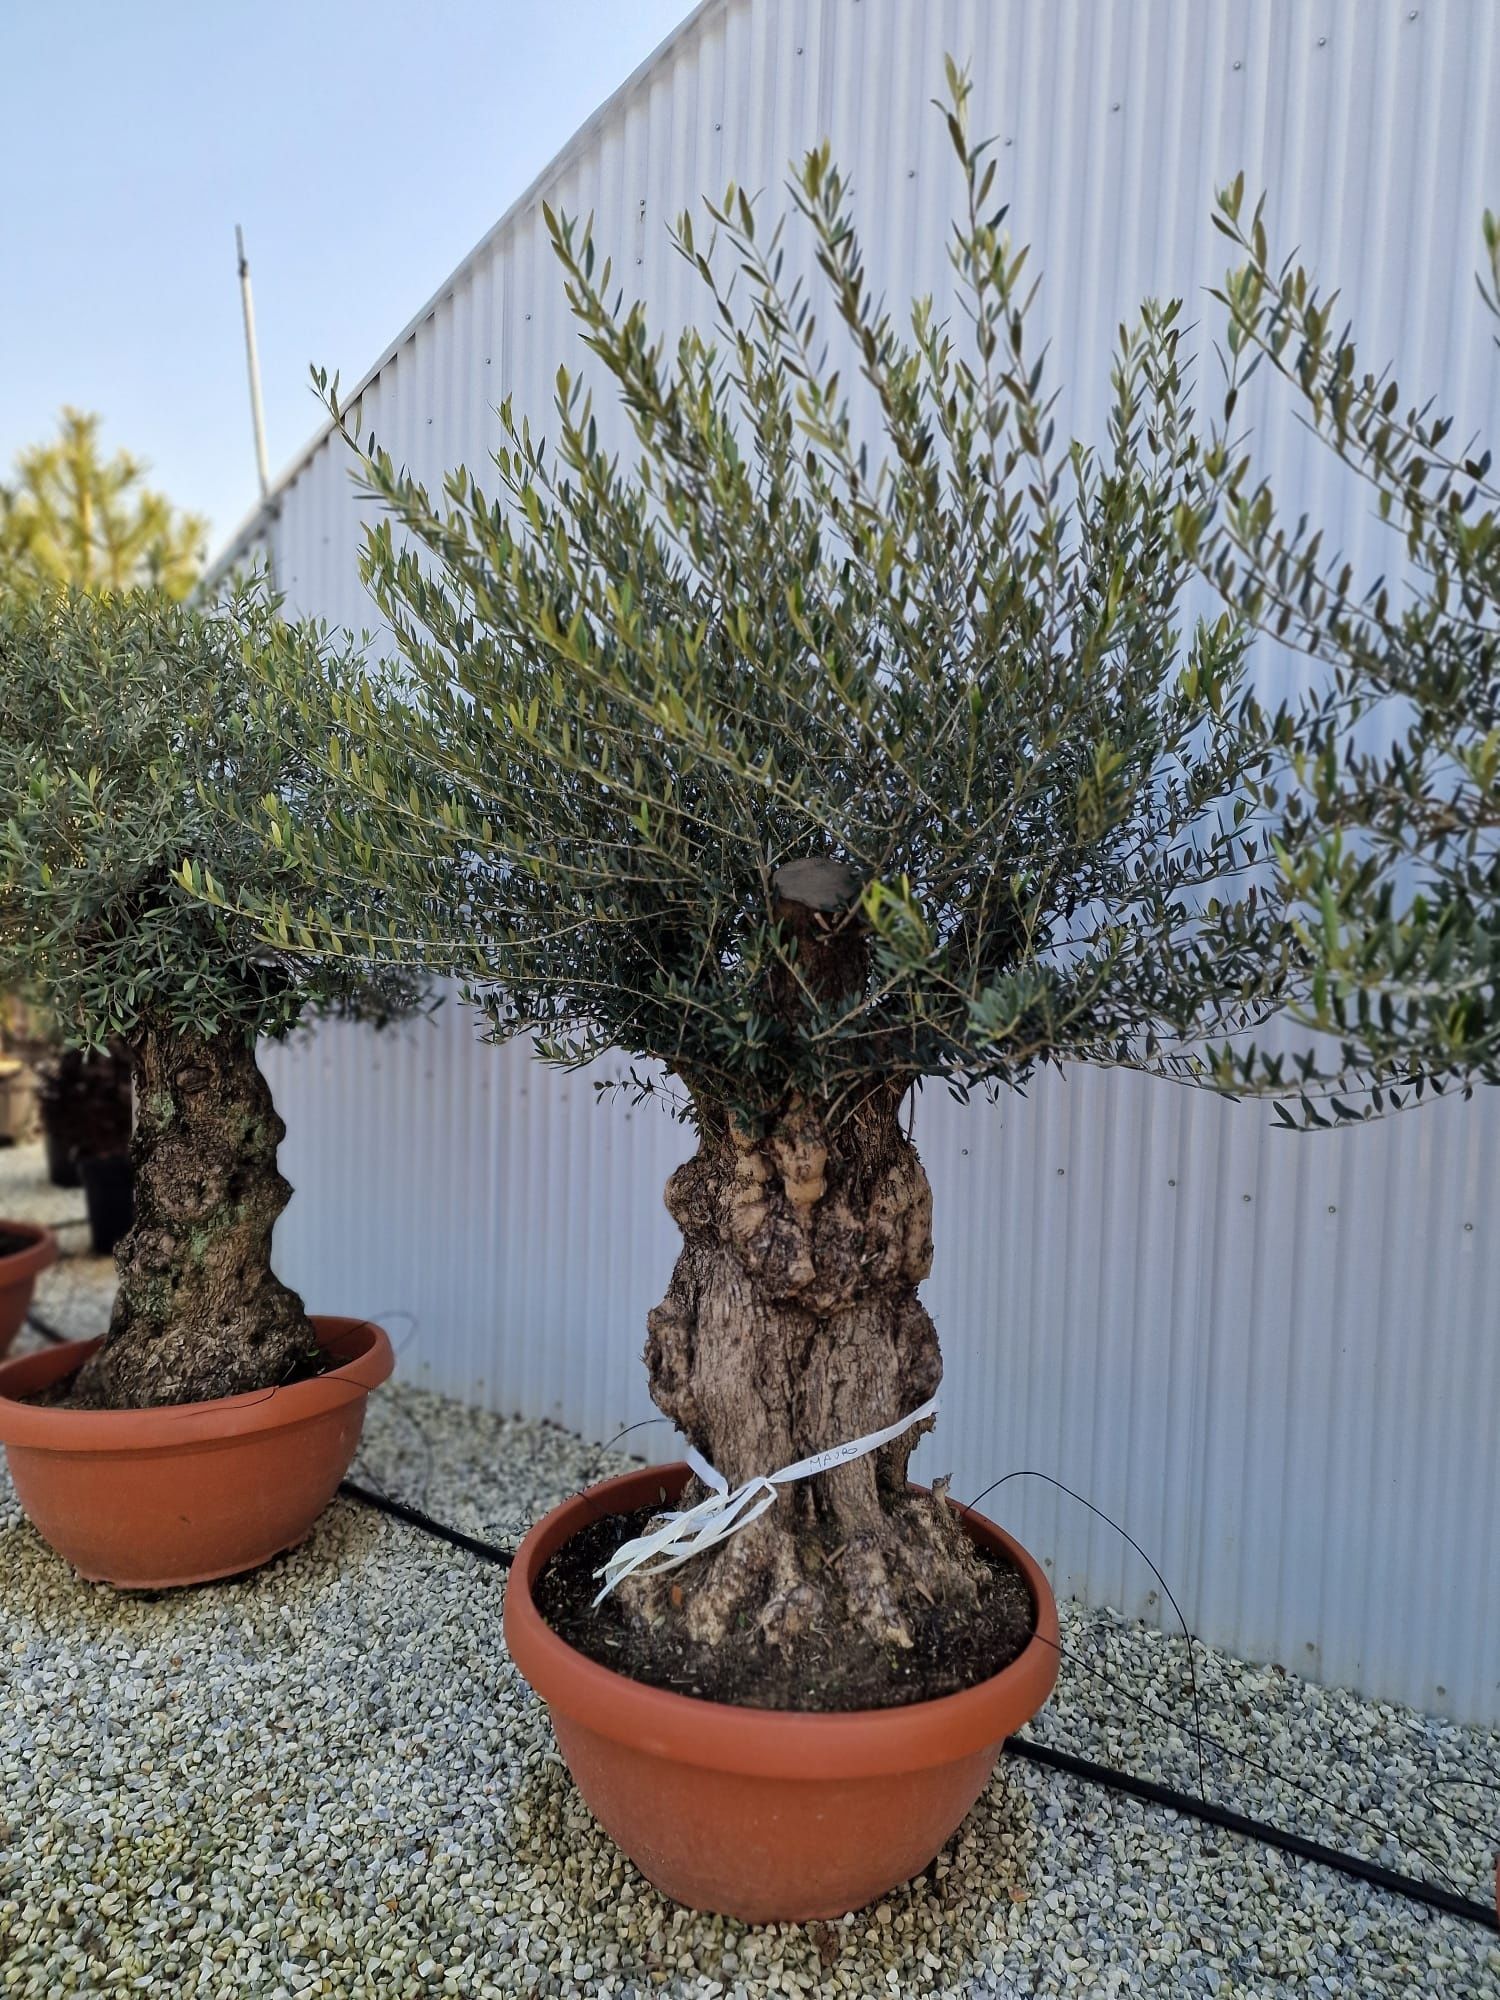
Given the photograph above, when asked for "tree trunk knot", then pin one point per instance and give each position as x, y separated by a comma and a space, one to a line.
811, 1220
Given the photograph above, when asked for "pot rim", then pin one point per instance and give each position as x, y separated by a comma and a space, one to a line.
168, 1426
758, 1742
17, 1267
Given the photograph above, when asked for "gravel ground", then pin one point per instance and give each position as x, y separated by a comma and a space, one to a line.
25, 1191
328, 1779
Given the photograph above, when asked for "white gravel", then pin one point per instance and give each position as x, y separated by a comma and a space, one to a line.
26, 1192
328, 1779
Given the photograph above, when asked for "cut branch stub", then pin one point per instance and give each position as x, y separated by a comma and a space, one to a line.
818, 883
817, 904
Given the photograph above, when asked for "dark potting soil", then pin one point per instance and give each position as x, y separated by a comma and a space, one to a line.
824, 1672
59, 1395
10, 1245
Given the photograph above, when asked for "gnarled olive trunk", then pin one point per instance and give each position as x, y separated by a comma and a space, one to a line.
792, 1324
199, 1313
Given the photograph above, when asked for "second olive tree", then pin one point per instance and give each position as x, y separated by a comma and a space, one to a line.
135, 738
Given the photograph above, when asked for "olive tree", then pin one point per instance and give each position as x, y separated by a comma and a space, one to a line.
1389, 843
809, 777
73, 518
128, 725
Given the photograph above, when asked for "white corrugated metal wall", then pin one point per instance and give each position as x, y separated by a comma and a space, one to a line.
1274, 1359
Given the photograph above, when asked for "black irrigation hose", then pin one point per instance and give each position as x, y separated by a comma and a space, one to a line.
1106, 1775
1211, 1814
415, 1518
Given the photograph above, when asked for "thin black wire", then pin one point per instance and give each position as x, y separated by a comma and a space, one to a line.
1251, 1763
994, 1487
644, 1425
1457, 1783
1241, 1757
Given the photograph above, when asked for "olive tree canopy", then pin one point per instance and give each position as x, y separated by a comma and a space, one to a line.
634, 689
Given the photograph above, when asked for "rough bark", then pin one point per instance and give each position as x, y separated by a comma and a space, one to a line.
199, 1313
792, 1324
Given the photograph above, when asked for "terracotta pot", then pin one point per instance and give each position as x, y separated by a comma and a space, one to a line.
148, 1499
19, 1270
760, 1814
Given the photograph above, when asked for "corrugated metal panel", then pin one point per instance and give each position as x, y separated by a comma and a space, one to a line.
1274, 1359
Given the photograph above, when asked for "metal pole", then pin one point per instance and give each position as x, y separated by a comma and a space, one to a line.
252, 360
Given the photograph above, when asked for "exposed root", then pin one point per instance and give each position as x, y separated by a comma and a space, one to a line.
789, 1576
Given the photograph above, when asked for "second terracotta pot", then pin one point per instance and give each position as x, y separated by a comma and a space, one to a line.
19, 1271
150, 1499
762, 1814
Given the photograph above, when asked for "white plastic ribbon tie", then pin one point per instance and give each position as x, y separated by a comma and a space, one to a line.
681, 1536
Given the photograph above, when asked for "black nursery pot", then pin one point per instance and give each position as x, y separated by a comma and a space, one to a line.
109, 1190
62, 1166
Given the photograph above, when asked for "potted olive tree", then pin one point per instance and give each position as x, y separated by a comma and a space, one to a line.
809, 781
126, 726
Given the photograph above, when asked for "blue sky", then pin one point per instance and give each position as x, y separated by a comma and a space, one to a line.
365, 148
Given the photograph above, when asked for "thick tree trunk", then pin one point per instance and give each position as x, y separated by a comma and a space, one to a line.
792, 1325
199, 1314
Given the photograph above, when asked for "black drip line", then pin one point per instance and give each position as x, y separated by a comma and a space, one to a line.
1192, 1805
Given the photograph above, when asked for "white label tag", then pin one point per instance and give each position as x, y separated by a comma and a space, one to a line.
684, 1535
